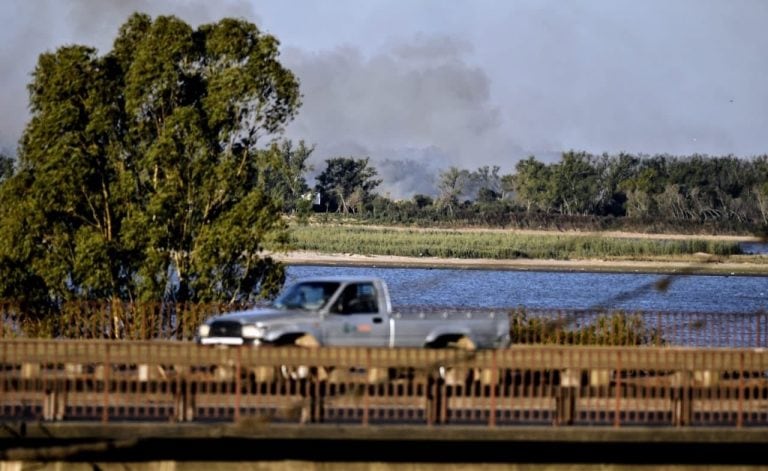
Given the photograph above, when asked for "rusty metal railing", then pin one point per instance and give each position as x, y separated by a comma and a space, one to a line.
108, 320
660, 328
168, 321
102, 380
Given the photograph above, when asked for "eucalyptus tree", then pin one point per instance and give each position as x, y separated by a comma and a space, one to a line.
346, 183
574, 183
453, 184
6, 167
145, 173
531, 184
286, 177
486, 183
611, 172
759, 190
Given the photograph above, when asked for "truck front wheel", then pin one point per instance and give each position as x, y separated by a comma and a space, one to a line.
299, 372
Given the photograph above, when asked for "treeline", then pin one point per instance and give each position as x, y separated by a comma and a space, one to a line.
583, 191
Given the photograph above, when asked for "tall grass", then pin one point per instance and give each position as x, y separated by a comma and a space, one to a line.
609, 328
493, 245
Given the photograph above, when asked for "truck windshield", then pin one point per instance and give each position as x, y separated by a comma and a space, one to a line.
307, 295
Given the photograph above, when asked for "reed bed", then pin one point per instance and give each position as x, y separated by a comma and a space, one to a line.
494, 245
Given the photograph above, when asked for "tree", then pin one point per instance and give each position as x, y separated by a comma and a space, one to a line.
422, 201
453, 184
574, 184
487, 182
286, 176
6, 167
759, 188
531, 184
611, 172
346, 184
140, 174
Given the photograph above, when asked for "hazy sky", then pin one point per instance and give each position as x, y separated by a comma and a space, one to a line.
419, 85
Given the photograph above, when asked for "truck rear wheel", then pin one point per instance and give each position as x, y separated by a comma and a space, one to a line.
457, 375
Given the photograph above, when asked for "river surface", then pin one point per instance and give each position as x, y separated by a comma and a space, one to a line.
559, 290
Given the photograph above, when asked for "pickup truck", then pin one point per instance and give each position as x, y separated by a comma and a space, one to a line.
352, 311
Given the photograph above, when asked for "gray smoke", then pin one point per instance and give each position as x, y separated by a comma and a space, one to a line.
422, 86
414, 108
32, 27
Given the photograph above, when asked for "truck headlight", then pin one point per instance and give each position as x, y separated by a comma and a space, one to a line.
204, 330
253, 331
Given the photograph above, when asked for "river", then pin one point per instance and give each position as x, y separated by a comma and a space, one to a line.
560, 290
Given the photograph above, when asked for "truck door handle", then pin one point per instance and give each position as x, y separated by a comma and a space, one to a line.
377, 320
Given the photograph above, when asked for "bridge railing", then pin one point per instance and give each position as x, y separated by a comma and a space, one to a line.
101, 380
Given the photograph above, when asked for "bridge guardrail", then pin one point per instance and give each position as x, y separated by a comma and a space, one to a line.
106, 380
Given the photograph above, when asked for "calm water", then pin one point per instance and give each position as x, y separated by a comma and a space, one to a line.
754, 247
559, 290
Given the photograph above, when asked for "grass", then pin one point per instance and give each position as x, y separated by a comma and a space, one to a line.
498, 245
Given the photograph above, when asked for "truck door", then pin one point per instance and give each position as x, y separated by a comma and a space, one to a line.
355, 320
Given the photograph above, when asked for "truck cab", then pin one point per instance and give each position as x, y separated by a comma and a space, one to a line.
335, 311
359, 316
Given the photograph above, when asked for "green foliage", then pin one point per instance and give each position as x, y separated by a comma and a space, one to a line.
112, 319
614, 328
485, 182
573, 184
346, 184
142, 176
422, 201
284, 177
693, 194
453, 185
530, 184
6, 167
695, 188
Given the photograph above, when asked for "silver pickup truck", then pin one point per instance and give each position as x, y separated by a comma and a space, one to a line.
352, 311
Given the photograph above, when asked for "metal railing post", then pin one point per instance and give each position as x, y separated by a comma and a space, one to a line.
494, 383
366, 399
106, 380
617, 374
238, 381
740, 416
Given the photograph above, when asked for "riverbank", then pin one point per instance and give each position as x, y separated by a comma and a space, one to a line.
699, 265
524, 250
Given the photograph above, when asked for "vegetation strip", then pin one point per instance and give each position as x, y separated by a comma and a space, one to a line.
496, 245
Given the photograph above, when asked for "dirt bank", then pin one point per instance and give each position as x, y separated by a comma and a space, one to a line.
703, 264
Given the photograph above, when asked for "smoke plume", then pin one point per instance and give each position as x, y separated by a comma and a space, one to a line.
422, 86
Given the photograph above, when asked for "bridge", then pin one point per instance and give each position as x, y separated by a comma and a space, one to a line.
128, 401
557, 386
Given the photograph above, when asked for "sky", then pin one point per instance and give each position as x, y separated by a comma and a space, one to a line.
421, 85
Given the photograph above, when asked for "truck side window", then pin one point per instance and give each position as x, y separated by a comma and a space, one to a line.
366, 297
357, 299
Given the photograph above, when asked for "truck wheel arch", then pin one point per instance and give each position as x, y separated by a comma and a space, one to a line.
303, 340
299, 339
450, 374
458, 340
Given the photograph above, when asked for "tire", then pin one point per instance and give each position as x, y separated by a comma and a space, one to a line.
301, 372
458, 375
